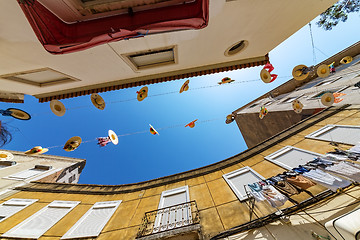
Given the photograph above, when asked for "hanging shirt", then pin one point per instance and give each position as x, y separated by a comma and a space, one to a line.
255, 190
300, 181
326, 179
273, 196
345, 169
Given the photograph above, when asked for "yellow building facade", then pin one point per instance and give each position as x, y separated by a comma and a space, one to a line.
198, 204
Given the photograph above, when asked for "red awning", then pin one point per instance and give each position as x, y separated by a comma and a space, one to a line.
59, 37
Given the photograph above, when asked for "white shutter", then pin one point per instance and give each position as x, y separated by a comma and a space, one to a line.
238, 178
290, 157
43, 220
171, 217
27, 173
337, 133
94, 220
14, 205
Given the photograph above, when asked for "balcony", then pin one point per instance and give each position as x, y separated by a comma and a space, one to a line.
180, 221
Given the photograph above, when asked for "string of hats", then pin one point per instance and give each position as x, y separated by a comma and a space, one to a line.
299, 73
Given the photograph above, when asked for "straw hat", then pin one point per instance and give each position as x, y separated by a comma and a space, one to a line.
36, 150
7, 156
153, 131
297, 74
346, 60
185, 86
226, 80
191, 124
297, 106
113, 137
57, 107
142, 94
327, 99
323, 71
229, 119
19, 114
72, 144
265, 76
98, 101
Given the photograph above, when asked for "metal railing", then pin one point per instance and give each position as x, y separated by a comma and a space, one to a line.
169, 218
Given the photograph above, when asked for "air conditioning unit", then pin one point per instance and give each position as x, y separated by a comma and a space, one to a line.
345, 227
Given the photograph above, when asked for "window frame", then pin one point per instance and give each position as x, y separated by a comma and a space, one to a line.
327, 128
284, 150
27, 202
97, 205
33, 177
227, 177
14, 232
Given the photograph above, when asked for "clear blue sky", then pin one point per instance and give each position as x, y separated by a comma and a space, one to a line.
142, 156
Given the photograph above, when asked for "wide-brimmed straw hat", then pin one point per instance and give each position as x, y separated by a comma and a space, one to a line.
297, 106
185, 86
19, 114
346, 60
142, 94
113, 137
297, 72
36, 150
226, 80
7, 156
323, 71
191, 124
265, 76
57, 107
98, 101
327, 99
153, 131
72, 144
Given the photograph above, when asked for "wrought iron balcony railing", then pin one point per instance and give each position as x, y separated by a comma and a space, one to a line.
169, 218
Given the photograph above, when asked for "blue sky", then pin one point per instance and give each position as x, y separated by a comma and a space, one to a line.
141, 156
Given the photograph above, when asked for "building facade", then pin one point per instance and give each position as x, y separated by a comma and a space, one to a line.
141, 59
17, 169
211, 202
309, 91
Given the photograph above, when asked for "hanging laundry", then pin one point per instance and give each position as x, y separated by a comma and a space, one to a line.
301, 181
255, 190
346, 170
327, 180
273, 196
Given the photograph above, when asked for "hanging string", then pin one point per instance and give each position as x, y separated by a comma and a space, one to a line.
145, 131
312, 43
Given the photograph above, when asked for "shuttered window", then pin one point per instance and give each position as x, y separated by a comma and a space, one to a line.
337, 133
94, 220
14, 205
36, 225
290, 157
37, 170
240, 178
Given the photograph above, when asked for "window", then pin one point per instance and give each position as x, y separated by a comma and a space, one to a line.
37, 224
239, 178
37, 170
168, 216
153, 58
337, 133
94, 220
290, 157
40, 77
323, 83
14, 205
4, 164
